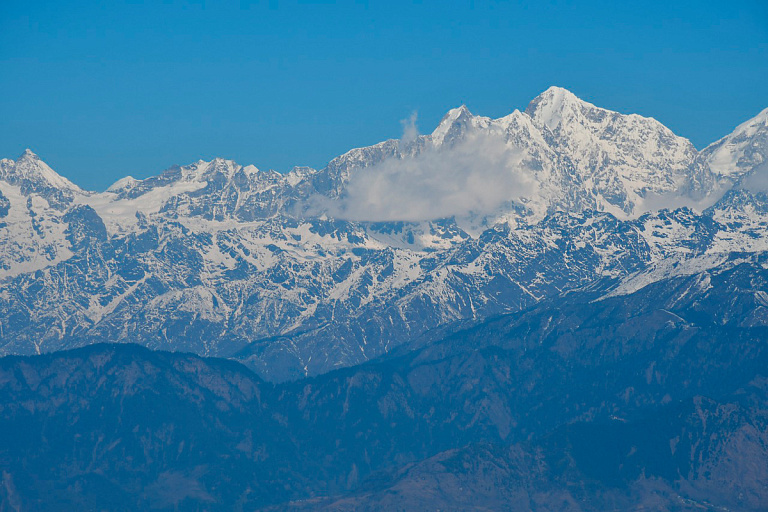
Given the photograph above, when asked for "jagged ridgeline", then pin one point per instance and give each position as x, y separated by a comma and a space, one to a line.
303, 272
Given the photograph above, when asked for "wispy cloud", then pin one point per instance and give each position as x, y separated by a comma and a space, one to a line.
410, 130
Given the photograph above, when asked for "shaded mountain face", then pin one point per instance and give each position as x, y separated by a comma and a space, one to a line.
301, 273
656, 397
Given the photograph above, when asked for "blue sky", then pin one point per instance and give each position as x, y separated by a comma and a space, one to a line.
105, 89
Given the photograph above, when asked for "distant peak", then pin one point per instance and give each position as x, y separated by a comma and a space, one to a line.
462, 109
457, 113
31, 167
560, 93
123, 184
28, 153
551, 106
456, 116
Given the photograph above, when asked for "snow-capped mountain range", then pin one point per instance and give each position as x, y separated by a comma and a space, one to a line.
303, 272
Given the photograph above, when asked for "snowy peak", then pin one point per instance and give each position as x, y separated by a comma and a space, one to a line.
620, 159
204, 171
123, 184
459, 115
29, 170
562, 112
520, 129
299, 174
455, 124
214, 174
744, 150
554, 105
223, 171
224, 167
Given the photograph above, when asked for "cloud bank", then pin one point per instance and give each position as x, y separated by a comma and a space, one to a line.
475, 176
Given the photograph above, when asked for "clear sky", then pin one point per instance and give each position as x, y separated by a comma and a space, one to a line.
105, 89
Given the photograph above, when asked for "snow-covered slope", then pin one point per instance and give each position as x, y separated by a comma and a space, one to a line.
33, 202
303, 272
33, 174
623, 162
742, 151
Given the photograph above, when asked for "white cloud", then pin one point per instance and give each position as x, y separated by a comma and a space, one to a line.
672, 200
474, 176
757, 179
410, 130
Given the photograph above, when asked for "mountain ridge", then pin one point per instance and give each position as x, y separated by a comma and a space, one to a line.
223, 259
657, 397
553, 93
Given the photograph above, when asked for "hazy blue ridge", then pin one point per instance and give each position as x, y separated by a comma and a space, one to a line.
656, 398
